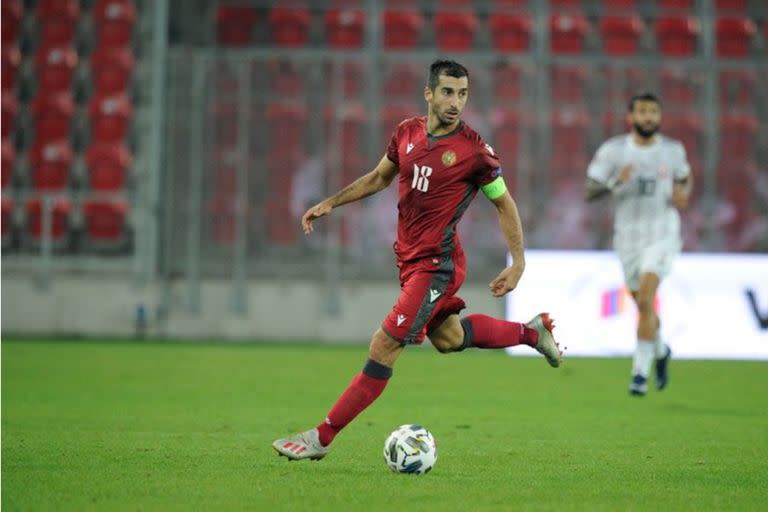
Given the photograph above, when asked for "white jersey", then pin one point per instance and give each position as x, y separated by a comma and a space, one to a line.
644, 210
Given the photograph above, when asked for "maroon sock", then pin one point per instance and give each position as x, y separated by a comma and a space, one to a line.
483, 331
361, 392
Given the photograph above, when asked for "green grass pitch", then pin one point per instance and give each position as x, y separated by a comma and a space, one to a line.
180, 426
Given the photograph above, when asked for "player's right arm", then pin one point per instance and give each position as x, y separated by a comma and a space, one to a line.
375, 181
602, 178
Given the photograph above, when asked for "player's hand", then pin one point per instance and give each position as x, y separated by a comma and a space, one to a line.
506, 281
321, 209
624, 174
680, 196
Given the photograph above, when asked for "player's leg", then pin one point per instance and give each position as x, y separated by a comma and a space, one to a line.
647, 330
364, 389
483, 331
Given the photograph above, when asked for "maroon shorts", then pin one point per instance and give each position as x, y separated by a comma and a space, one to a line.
427, 289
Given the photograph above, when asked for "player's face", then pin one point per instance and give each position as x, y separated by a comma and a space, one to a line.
448, 99
645, 118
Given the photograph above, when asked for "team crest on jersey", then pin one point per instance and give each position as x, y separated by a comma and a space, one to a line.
449, 158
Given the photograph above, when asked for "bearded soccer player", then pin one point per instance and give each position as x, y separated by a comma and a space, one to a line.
439, 163
649, 176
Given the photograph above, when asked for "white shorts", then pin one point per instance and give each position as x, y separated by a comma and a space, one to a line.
656, 258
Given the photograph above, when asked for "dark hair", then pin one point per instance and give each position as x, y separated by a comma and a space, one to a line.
643, 96
445, 67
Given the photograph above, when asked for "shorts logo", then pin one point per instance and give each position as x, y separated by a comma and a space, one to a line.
400, 320
449, 158
433, 295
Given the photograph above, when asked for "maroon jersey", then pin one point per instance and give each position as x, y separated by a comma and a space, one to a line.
439, 177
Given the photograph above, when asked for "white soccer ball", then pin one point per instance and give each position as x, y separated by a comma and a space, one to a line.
410, 449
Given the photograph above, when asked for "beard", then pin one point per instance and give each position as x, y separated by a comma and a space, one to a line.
645, 133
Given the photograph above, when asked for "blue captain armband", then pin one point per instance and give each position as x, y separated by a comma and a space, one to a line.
494, 189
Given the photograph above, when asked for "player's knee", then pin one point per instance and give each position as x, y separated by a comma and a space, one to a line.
383, 349
446, 344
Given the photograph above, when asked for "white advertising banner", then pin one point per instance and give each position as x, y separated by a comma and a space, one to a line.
711, 306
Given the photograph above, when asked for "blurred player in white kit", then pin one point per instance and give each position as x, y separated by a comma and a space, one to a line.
649, 176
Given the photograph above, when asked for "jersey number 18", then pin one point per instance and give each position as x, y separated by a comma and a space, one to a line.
421, 177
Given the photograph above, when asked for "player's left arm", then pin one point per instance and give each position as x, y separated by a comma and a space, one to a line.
683, 185
512, 228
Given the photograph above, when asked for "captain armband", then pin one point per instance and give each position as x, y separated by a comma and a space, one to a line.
494, 189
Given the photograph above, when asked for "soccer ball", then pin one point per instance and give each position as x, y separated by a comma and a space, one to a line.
410, 449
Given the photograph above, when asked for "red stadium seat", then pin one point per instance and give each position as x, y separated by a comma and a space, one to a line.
9, 113
567, 33
620, 83
455, 30
351, 118
285, 77
55, 67
510, 32
404, 80
676, 36
58, 20
738, 137
738, 88
50, 165
680, 86
614, 123
345, 28
567, 4
61, 209
510, 4
11, 62
731, 5
109, 117
9, 157
568, 84
52, 115
289, 26
507, 82
402, 29
107, 166
621, 34
105, 221
114, 21
234, 25
734, 36
11, 14
352, 74
687, 128
6, 219
111, 70
569, 134
287, 123
506, 129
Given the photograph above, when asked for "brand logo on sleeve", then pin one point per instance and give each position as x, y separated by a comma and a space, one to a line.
409, 148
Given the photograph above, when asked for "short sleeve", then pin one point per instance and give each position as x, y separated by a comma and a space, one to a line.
488, 167
682, 168
392, 149
602, 165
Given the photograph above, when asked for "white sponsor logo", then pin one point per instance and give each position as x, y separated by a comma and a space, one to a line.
410, 147
490, 149
433, 295
400, 320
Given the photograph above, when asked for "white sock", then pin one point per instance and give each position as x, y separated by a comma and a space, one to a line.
644, 354
661, 348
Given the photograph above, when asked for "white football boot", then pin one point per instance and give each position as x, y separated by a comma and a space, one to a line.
547, 345
302, 446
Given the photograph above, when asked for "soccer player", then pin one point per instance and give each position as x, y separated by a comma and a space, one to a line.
648, 175
439, 163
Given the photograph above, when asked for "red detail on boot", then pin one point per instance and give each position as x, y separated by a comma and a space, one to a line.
360, 393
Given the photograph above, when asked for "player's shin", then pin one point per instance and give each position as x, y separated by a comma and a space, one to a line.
483, 331
364, 389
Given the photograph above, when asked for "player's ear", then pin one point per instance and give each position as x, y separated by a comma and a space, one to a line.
428, 94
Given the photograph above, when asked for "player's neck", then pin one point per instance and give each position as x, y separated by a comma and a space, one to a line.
643, 141
436, 129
